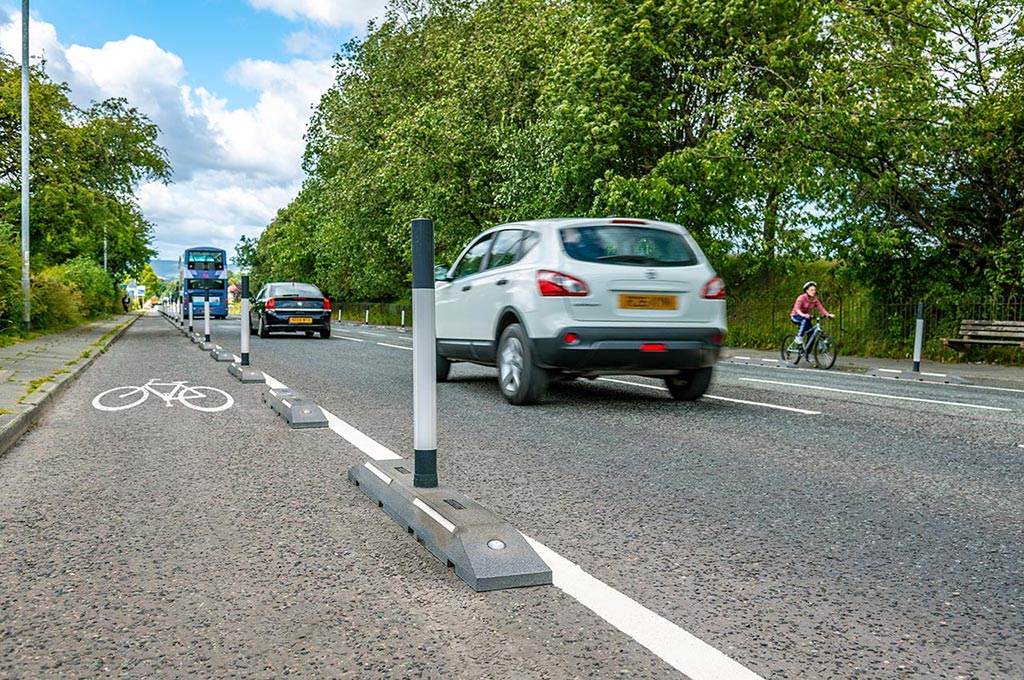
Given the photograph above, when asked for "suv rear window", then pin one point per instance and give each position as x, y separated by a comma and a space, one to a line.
294, 290
625, 244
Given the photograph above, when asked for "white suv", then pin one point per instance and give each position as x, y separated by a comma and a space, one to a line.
566, 298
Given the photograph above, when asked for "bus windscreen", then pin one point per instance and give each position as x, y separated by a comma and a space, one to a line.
205, 260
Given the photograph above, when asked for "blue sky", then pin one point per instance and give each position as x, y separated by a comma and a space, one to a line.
230, 83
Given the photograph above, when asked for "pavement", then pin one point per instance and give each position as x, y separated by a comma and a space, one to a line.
34, 373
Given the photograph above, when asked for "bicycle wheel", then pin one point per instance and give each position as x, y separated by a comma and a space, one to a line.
789, 350
825, 352
120, 398
205, 399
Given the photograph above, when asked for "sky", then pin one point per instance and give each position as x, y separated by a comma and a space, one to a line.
230, 83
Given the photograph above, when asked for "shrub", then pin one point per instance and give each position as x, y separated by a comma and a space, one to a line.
55, 302
98, 293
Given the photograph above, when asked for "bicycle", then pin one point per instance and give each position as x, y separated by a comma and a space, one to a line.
197, 398
818, 347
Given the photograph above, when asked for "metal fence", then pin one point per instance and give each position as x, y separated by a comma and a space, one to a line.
884, 329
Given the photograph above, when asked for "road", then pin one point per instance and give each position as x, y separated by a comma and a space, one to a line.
804, 524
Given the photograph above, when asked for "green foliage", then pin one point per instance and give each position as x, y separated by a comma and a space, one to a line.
56, 303
97, 290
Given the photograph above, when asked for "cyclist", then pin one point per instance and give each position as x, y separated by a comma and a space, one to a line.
803, 307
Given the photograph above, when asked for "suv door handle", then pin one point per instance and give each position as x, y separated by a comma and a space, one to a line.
502, 282
465, 288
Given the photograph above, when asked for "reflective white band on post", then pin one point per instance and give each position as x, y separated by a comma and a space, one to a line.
245, 331
206, 317
190, 314
424, 369
919, 337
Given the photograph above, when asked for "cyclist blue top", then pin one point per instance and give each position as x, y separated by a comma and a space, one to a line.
803, 307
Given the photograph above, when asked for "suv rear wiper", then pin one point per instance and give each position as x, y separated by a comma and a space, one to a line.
629, 259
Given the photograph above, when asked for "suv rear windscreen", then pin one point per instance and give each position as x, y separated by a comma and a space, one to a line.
286, 290
623, 244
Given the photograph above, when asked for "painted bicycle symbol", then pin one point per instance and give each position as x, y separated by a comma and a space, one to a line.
196, 397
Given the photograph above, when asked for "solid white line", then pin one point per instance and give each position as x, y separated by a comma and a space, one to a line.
359, 440
384, 344
935, 375
681, 650
875, 394
434, 515
889, 370
758, 403
771, 361
274, 384
744, 358
675, 646
345, 337
379, 335
709, 396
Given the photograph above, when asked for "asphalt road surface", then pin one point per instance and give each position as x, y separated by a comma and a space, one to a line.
796, 523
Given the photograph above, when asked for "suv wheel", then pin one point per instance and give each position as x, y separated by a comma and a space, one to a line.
443, 366
689, 384
521, 381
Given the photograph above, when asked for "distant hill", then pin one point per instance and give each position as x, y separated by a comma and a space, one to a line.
165, 269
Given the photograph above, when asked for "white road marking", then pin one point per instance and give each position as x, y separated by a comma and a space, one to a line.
934, 375
377, 473
379, 335
681, 650
744, 358
875, 394
384, 344
672, 644
771, 361
345, 337
710, 396
889, 370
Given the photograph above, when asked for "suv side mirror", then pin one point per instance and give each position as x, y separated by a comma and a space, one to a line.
441, 272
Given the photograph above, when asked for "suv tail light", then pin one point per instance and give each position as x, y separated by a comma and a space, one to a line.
327, 305
714, 289
270, 304
556, 284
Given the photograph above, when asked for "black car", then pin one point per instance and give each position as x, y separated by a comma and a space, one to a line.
290, 307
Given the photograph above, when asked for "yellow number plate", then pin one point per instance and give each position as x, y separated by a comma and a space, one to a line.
647, 302
300, 319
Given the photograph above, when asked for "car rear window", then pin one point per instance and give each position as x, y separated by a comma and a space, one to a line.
627, 244
294, 290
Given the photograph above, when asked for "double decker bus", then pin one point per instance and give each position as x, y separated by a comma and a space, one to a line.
202, 269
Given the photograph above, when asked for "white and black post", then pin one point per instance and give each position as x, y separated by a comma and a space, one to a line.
206, 316
424, 355
919, 337
245, 320
188, 303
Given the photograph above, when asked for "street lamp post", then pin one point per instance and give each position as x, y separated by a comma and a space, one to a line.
27, 318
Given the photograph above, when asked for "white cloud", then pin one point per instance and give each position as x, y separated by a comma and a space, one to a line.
309, 44
348, 13
233, 167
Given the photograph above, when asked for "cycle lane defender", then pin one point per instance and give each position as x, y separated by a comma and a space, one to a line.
64, 352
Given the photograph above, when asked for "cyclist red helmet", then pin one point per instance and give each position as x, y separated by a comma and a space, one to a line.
809, 284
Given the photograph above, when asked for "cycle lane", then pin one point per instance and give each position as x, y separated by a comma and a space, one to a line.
162, 540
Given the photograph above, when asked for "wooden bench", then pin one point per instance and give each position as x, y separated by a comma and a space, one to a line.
974, 332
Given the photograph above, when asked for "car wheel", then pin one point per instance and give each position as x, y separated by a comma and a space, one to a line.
325, 334
690, 384
521, 380
252, 331
263, 331
444, 367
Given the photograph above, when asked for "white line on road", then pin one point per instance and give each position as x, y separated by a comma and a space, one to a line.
744, 358
876, 394
889, 370
678, 648
384, 344
681, 650
345, 337
934, 375
771, 361
710, 396
378, 335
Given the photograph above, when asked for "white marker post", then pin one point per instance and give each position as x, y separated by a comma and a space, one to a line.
424, 355
206, 316
919, 337
188, 302
245, 320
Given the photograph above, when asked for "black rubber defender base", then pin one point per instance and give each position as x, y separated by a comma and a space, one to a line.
485, 550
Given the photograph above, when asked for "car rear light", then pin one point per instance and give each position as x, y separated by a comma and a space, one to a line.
555, 284
718, 339
714, 289
270, 304
327, 305
653, 347
621, 221
572, 339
